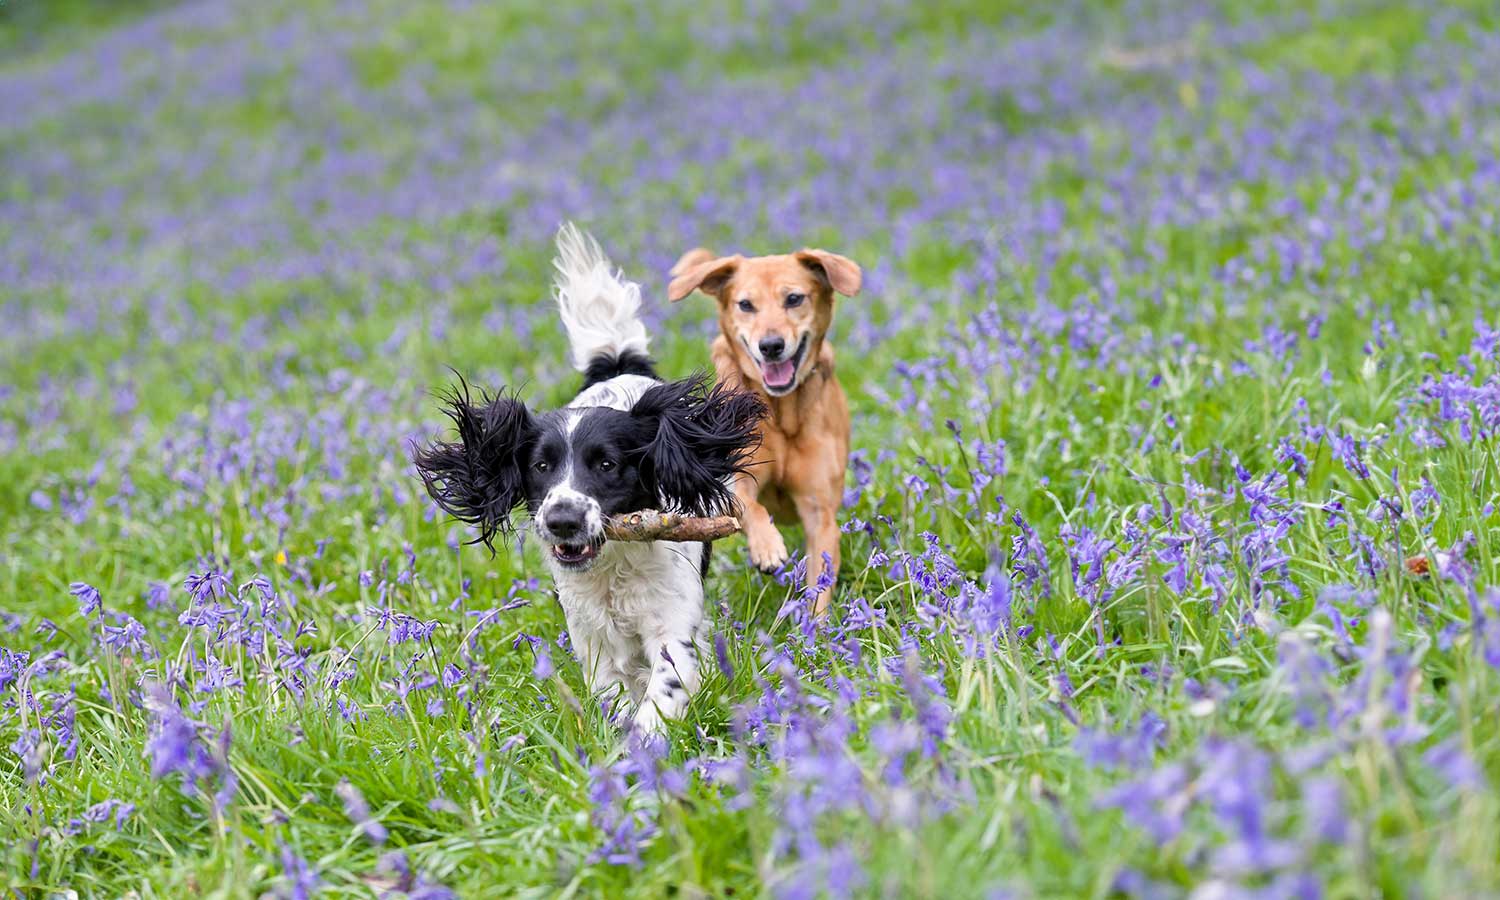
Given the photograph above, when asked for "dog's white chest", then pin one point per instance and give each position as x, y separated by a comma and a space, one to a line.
631, 582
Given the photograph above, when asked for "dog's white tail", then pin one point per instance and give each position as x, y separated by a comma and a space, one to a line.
599, 308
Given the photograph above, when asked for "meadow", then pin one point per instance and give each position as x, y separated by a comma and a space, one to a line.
1171, 542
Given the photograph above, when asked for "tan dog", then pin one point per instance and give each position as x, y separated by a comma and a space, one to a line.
773, 314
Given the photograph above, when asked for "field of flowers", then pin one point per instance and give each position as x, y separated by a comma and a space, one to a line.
1170, 539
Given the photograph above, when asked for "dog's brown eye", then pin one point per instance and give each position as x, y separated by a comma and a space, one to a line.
606, 465
541, 466
794, 300
747, 306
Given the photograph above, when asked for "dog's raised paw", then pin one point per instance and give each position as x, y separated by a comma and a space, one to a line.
767, 550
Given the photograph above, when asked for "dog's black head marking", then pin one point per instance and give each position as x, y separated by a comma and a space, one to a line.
676, 448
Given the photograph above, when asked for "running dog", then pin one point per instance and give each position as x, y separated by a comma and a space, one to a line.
774, 313
627, 441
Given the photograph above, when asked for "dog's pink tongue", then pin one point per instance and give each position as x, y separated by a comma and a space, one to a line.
778, 374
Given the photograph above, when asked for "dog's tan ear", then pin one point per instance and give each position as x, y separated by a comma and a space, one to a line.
841, 272
689, 259
695, 272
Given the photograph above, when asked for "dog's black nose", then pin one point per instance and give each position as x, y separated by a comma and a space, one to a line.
772, 347
564, 521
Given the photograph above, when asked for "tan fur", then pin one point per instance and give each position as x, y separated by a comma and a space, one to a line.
804, 451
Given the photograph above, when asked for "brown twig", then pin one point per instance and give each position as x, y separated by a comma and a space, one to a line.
652, 525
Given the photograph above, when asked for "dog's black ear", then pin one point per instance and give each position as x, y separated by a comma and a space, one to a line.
477, 480
701, 436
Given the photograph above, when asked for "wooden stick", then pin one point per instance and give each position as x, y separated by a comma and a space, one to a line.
652, 525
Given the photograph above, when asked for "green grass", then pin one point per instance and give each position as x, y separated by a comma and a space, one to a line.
48, 27
1012, 804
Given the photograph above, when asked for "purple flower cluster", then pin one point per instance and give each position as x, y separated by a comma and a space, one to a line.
178, 745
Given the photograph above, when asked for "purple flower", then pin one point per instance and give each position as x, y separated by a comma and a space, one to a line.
1157, 803
349, 712
1347, 449
413, 885
542, 669
89, 601
109, 809
28, 749
1287, 452
1323, 813
301, 881
1455, 765
1131, 748
453, 676
843, 872
176, 745
208, 584
1028, 557
1136, 885
401, 627
721, 654
359, 813
12, 664
625, 830
128, 636
173, 741
928, 703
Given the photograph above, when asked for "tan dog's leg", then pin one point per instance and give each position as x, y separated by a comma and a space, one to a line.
767, 549
820, 521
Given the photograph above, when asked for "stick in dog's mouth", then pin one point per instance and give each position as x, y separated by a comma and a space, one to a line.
652, 525
647, 525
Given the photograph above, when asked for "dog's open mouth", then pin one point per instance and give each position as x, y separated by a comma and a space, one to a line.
575, 555
780, 377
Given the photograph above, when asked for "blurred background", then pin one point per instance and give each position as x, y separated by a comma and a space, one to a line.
306, 210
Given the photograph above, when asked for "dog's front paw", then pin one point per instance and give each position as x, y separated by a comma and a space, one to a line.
767, 549
648, 720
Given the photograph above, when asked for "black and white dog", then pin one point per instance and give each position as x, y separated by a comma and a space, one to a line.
628, 441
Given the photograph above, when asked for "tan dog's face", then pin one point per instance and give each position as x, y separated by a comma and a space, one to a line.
774, 310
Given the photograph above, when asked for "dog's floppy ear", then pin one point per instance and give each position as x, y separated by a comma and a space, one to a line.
700, 270
478, 479
840, 272
700, 437
691, 258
